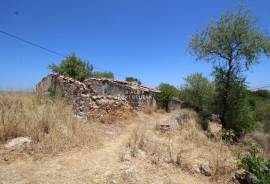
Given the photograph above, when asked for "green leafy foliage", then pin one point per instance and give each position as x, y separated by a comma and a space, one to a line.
167, 93
232, 44
107, 75
73, 67
199, 92
133, 79
263, 94
255, 163
234, 37
231, 103
260, 102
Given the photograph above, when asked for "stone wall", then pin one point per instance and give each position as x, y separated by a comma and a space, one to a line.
138, 96
98, 96
174, 104
85, 101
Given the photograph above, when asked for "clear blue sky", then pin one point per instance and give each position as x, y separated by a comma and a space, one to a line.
147, 39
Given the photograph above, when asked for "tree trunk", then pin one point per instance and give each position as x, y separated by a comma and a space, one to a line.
226, 94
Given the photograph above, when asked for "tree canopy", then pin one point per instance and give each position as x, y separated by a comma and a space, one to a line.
234, 40
232, 44
74, 67
167, 92
198, 91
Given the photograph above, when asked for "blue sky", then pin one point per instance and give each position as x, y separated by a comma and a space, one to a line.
147, 39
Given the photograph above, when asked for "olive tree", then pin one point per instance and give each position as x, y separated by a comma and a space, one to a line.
232, 44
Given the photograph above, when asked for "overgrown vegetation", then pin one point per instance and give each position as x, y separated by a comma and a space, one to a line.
133, 79
235, 114
107, 75
256, 164
78, 69
73, 67
167, 93
199, 92
232, 44
260, 103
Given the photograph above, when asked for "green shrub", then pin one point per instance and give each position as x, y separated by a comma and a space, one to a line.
133, 79
107, 75
73, 67
260, 103
167, 92
254, 163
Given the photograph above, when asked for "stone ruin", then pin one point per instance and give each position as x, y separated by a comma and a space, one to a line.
138, 96
174, 104
96, 97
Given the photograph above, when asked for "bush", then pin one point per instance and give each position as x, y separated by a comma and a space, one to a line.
260, 103
107, 75
133, 79
73, 67
254, 163
167, 92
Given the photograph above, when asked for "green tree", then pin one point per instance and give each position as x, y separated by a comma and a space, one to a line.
107, 75
133, 79
260, 102
74, 67
199, 92
167, 92
239, 115
232, 44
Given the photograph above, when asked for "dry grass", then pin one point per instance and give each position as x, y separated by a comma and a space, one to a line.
260, 138
186, 147
149, 109
136, 140
51, 124
153, 156
264, 140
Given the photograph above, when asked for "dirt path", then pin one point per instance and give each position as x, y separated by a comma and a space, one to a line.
84, 166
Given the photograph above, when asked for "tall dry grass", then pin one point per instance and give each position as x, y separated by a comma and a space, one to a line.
50, 123
185, 147
149, 109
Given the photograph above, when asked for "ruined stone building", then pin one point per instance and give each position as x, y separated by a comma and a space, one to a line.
174, 104
138, 96
99, 95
